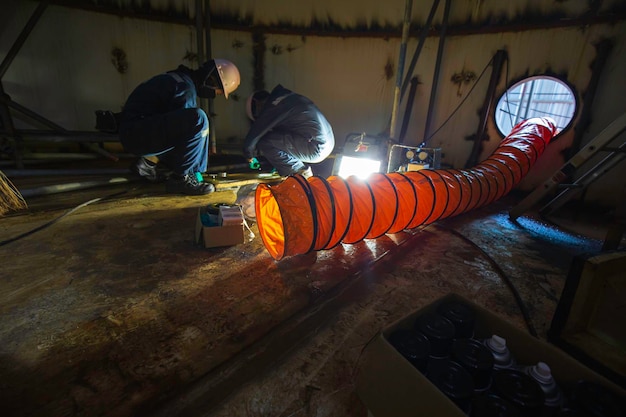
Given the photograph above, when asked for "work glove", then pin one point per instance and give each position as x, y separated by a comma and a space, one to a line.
254, 163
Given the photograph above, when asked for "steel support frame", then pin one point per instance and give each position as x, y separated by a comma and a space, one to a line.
56, 133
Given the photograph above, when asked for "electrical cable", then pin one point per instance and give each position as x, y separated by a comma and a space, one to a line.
503, 275
53, 221
461, 103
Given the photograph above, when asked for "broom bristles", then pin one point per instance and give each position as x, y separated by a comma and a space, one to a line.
10, 197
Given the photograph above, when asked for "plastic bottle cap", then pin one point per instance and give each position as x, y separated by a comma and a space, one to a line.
497, 343
542, 372
520, 389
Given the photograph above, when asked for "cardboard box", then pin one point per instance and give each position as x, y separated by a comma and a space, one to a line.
216, 236
389, 385
587, 323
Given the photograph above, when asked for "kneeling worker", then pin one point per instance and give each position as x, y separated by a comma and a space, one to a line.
161, 118
288, 130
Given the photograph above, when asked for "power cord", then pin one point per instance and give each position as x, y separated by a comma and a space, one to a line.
461, 103
53, 221
503, 275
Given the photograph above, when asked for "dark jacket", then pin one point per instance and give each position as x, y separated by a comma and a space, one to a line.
287, 112
161, 94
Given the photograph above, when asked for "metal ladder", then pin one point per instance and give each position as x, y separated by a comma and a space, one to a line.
598, 144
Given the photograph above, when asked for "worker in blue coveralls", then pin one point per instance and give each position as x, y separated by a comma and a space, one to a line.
288, 129
160, 118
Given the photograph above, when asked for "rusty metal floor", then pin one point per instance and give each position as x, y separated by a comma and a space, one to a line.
115, 311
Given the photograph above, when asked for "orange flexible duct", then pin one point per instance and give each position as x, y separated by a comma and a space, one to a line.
298, 215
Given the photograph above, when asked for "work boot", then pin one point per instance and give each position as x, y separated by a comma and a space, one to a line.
149, 170
188, 184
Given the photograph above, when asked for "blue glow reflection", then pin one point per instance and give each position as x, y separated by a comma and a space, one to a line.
549, 232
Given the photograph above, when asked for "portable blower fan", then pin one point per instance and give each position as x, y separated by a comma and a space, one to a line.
410, 158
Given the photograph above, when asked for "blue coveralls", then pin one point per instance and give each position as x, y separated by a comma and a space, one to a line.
289, 131
160, 118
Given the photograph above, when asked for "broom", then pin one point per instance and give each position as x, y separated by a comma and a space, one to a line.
10, 197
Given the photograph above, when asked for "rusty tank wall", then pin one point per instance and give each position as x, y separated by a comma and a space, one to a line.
344, 55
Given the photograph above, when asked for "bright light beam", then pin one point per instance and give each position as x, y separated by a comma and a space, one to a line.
360, 167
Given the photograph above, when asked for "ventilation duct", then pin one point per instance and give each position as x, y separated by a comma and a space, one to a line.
298, 215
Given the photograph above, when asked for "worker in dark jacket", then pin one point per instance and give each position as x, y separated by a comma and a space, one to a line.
160, 118
288, 129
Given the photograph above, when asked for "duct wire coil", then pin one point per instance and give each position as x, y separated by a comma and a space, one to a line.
301, 215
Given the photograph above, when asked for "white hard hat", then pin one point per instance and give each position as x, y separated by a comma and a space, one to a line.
229, 75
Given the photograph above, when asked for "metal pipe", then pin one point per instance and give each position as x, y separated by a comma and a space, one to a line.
605, 165
48, 157
199, 24
28, 112
603, 51
5, 114
25, 162
46, 122
202, 40
59, 155
207, 29
518, 111
433, 90
199, 32
7, 121
209, 55
69, 136
19, 42
418, 49
258, 56
19, 173
498, 62
400, 71
73, 186
407, 111
528, 99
